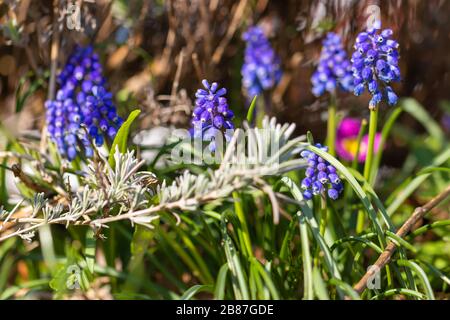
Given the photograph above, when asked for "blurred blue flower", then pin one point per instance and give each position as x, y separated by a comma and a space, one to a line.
334, 69
321, 176
83, 109
261, 69
212, 115
375, 65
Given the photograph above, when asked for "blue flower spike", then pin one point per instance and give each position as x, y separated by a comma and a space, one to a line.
375, 65
261, 69
212, 115
83, 110
334, 70
321, 176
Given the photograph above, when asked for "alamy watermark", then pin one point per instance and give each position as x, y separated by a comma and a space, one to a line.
374, 281
74, 277
374, 13
253, 146
72, 14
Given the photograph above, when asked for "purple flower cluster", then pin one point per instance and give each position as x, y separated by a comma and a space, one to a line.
212, 115
375, 65
261, 69
334, 69
321, 176
83, 109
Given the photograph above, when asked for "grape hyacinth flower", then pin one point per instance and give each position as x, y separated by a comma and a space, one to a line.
347, 140
321, 176
334, 69
375, 65
261, 69
212, 115
83, 109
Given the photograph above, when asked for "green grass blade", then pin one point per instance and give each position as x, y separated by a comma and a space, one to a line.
306, 259
234, 264
346, 288
357, 188
121, 138
361, 239
420, 274
311, 220
404, 291
384, 136
267, 279
192, 291
251, 110
425, 228
418, 111
319, 285
400, 242
33, 284
404, 191
219, 291
89, 250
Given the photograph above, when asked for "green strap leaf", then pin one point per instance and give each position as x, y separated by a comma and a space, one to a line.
421, 275
357, 188
219, 292
251, 110
320, 287
404, 191
417, 111
122, 137
308, 281
194, 290
308, 214
403, 291
89, 250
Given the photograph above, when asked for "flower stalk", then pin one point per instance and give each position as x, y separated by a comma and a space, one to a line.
369, 161
370, 147
331, 126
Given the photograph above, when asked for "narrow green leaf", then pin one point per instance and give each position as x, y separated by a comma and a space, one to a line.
404, 291
267, 279
192, 291
310, 138
306, 259
404, 191
384, 136
239, 276
142, 238
346, 287
400, 242
416, 110
433, 169
47, 247
219, 292
121, 138
89, 250
22, 98
311, 220
320, 287
251, 110
361, 239
356, 187
425, 228
436, 271
32, 284
421, 274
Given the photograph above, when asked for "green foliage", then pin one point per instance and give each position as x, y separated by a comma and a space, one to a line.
234, 231
121, 139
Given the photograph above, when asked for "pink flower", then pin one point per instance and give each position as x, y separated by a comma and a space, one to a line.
346, 140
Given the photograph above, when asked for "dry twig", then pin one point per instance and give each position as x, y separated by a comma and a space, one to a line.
385, 257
